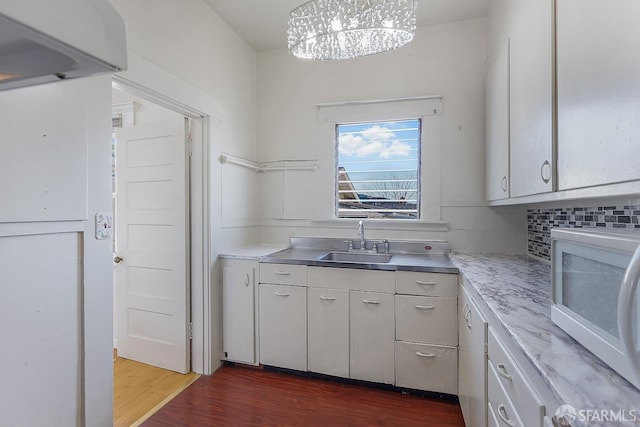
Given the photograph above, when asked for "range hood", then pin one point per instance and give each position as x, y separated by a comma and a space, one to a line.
49, 40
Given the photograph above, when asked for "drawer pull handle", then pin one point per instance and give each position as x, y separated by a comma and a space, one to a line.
328, 298
366, 301
422, 282
502, 413
281, 294
246, 280
502, 371
283, 273
425, 307
467, 318
419, 354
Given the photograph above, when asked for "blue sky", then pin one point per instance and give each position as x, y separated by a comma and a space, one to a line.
367, 147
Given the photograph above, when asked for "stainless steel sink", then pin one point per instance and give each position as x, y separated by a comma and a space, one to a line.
357, 257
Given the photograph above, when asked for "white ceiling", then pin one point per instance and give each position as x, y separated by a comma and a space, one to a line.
263, 23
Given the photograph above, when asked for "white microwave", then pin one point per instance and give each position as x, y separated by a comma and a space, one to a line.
595, 294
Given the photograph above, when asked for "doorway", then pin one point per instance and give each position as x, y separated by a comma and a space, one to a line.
150, 82
156, 136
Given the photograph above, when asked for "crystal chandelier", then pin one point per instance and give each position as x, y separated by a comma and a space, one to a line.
343, 29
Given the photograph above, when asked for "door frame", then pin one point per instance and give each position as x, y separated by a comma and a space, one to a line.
147, 81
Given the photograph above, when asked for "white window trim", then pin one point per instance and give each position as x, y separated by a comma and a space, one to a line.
428, 109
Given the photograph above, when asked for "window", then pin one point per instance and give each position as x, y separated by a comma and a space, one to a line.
382, 140
378, 169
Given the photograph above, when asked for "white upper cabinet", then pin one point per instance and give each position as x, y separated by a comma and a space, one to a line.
530, 97
497, 118
598, 68
519, 99
572, 118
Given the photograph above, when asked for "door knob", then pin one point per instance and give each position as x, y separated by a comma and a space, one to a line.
117, 259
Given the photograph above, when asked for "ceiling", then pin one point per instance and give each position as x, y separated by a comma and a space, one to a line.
263, 23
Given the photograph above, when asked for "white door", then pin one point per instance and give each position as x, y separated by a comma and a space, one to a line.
152, 275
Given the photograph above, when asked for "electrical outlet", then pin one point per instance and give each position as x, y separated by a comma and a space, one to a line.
104, 226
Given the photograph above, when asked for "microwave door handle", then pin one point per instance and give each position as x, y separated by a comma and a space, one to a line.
625, 313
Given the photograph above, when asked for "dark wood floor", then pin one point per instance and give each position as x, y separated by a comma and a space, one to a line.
242, 396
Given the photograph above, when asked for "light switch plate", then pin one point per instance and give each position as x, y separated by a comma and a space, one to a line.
104, 226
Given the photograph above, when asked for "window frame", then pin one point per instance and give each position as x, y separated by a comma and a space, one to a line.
428, 109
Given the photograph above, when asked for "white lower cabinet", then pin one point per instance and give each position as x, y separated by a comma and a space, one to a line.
238, 308
371, 347
500, 404
328, 330
492, 419
472, 362
427, 367
426, 348
283, 326
355, 323
505, 373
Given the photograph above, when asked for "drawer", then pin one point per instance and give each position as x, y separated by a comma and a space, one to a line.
426, 320
352, 279
515, 384
283, 274
492, 419
427, 367
428, 284
500, 405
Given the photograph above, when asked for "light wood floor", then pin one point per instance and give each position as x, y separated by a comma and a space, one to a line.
139, 390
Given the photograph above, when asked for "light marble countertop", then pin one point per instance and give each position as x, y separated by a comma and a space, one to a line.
252, 252
517, 289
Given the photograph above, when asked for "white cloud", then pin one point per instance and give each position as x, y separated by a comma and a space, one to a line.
380, 133
373, 140
397, 148
350, 144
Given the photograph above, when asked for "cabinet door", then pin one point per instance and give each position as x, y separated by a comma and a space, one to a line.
472, 362
328, 317
372, 337
283, 326
531, 97
598, 92
238, 321
497, 123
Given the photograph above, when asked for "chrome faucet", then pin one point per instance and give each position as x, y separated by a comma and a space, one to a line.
361, 234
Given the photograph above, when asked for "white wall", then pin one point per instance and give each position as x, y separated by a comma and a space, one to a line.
186, 43
58, 284
447, 60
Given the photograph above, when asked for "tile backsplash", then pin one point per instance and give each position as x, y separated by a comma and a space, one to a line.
541, 221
